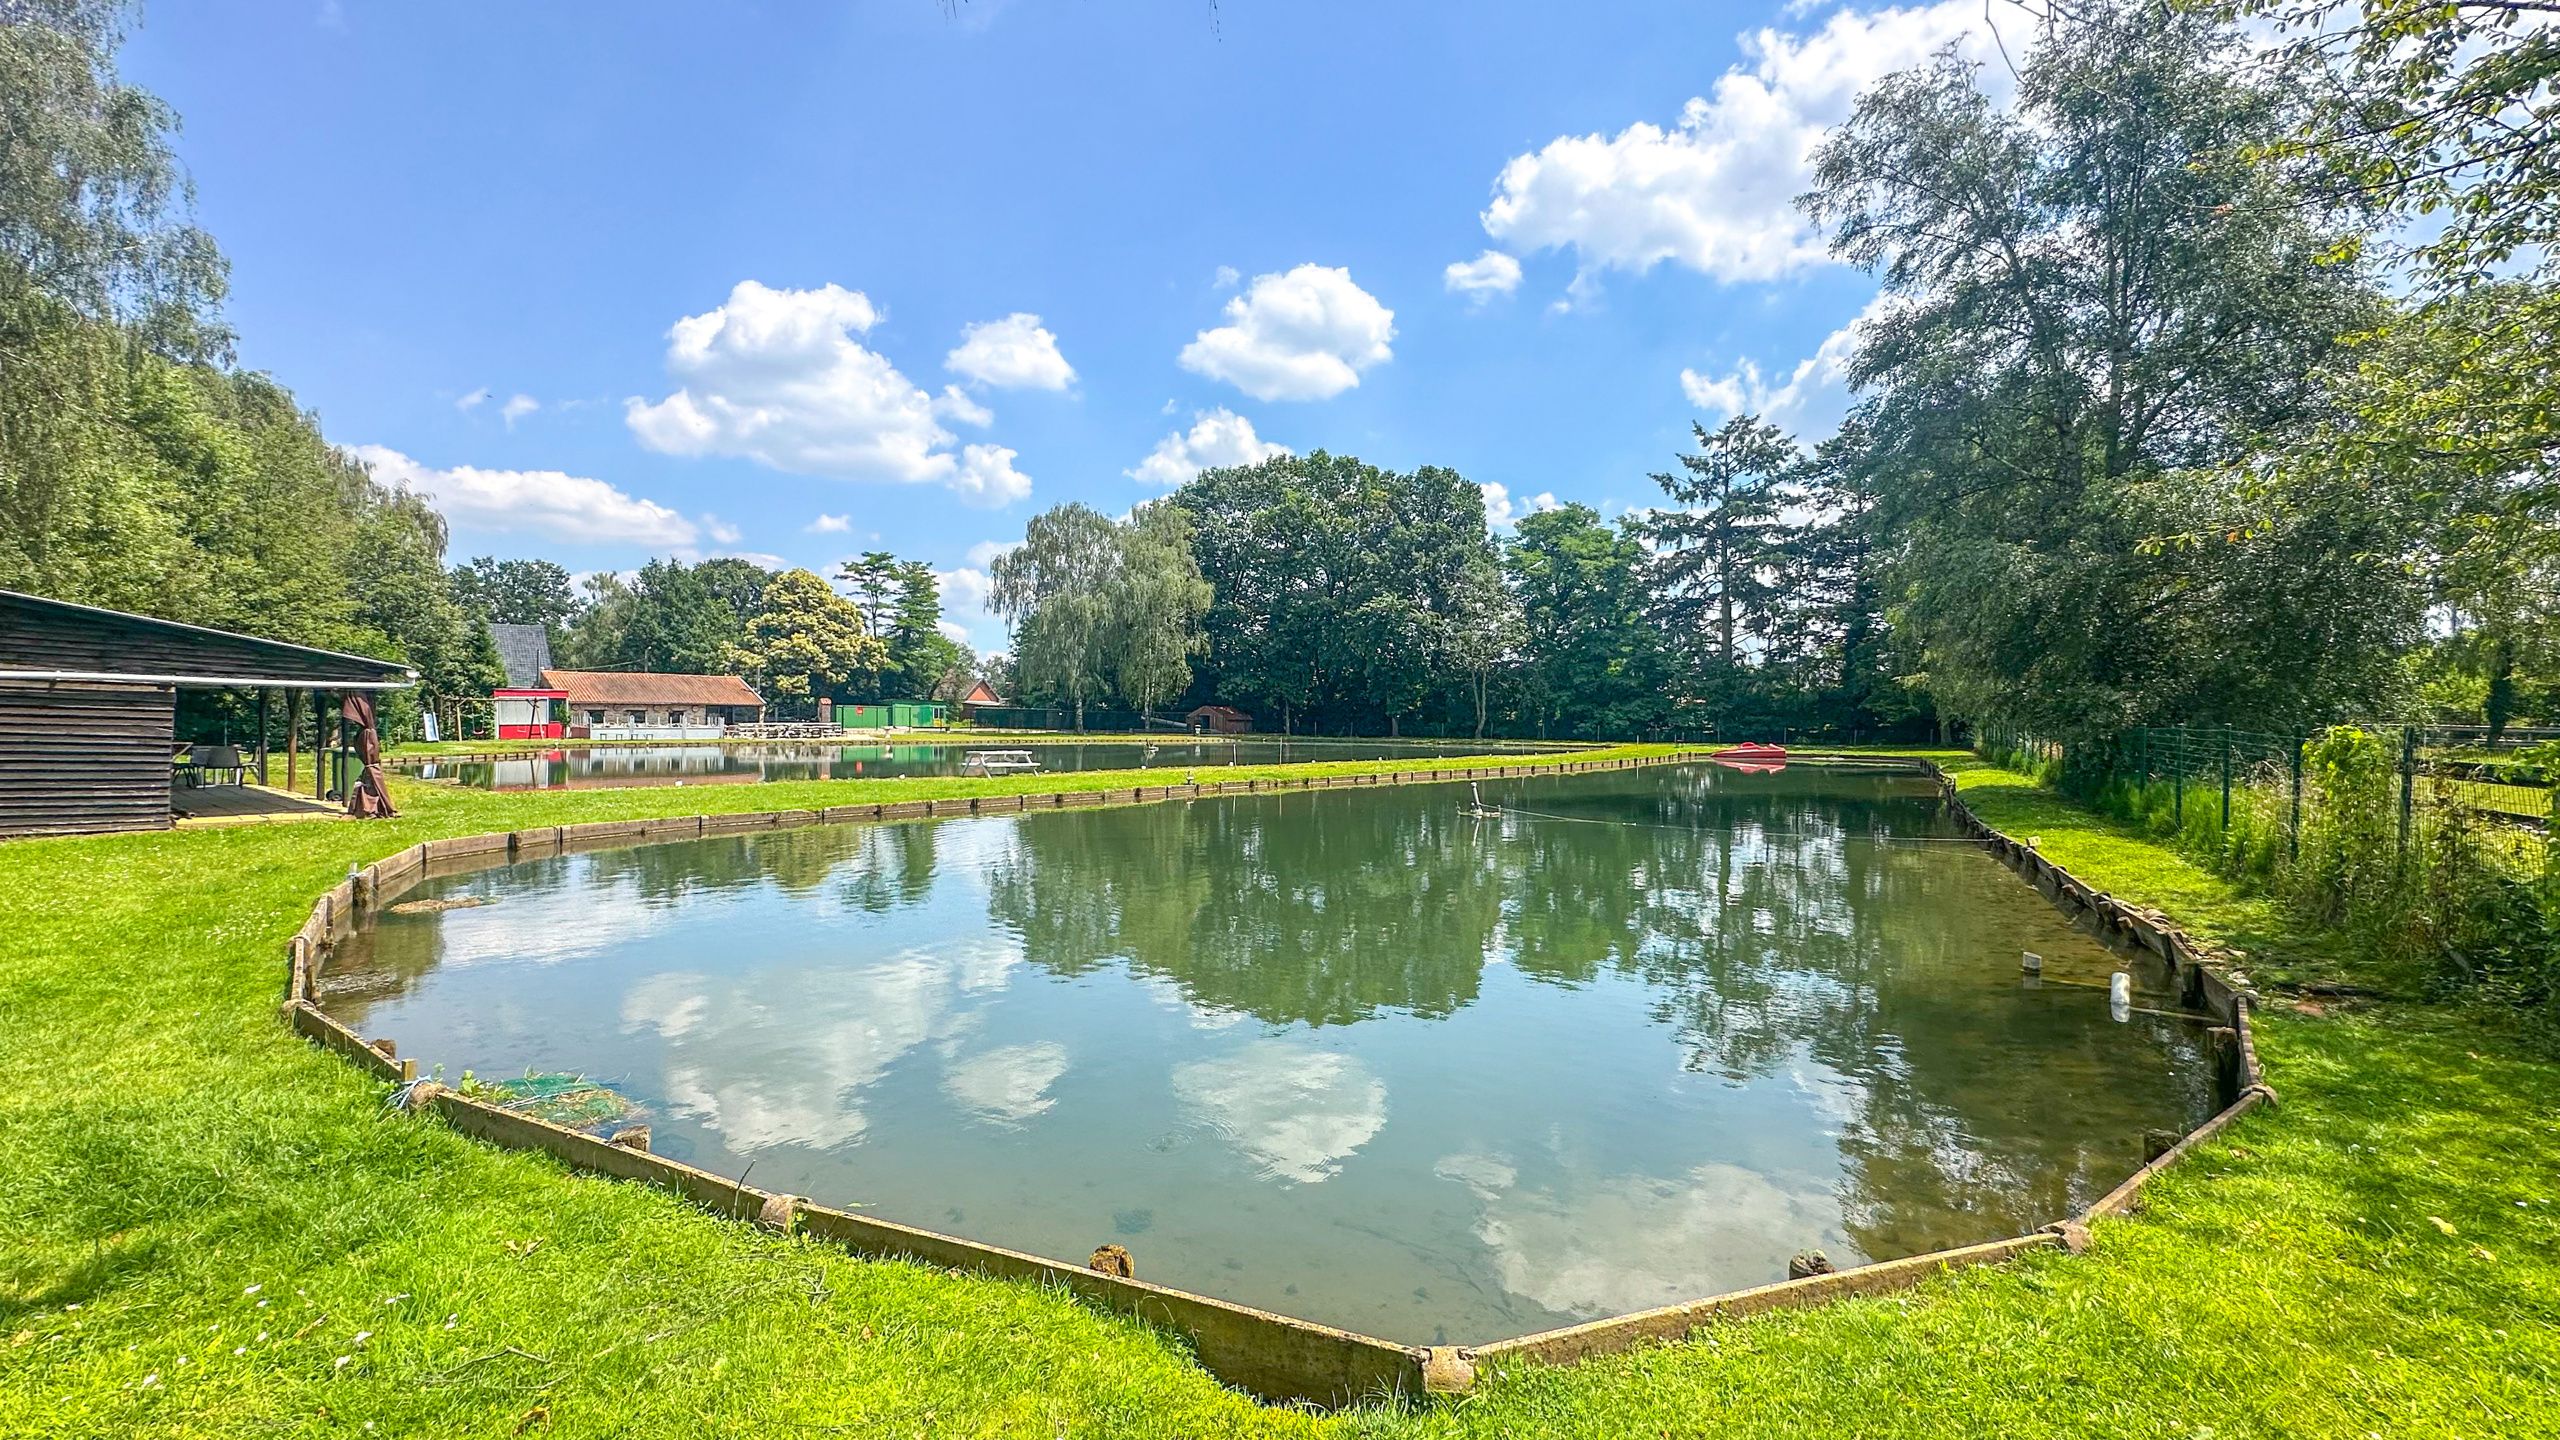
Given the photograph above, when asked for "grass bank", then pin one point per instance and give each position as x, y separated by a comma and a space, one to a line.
213, 1229
966, 735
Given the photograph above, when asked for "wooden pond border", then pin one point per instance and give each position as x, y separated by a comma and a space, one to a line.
1273, 1357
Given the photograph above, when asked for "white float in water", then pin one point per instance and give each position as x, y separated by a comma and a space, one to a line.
2031, 962
2120, 996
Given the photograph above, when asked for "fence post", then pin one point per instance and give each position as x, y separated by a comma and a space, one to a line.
2226, 779
2408, 783
2178, 781
2551, 850
2293, 827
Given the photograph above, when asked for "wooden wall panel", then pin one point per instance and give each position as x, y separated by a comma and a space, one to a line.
77, 759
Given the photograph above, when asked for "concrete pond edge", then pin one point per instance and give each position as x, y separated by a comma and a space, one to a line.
1273, 1357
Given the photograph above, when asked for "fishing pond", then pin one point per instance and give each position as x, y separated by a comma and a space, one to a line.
1431, 1064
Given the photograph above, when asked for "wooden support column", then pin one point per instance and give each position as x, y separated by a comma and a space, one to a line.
292, 737
262, 734
319, 744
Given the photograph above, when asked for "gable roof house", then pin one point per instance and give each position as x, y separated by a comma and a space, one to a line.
522, 708
525, 652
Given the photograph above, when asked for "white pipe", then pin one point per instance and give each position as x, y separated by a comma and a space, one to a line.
219, 682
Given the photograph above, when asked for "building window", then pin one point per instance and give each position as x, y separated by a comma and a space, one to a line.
639, 717
675, 717
595, 717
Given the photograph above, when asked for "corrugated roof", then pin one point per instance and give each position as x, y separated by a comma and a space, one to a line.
643, 687
525, 651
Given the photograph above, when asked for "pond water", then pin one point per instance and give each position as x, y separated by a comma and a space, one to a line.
1355, 1056
614, 766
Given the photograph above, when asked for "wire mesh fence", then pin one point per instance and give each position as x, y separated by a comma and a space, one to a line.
2399, 837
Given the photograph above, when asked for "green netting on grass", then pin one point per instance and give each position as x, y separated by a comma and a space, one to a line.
562, 1099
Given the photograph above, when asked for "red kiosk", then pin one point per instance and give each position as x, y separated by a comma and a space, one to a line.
526, 714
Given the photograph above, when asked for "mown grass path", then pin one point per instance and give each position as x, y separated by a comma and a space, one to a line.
207, 1227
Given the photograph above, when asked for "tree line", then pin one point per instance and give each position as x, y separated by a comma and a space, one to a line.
2208, 383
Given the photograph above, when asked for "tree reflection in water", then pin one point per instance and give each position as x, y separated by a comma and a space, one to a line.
1818, 934
1633, 1040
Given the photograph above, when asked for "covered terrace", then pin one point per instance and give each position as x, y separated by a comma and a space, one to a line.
88, 720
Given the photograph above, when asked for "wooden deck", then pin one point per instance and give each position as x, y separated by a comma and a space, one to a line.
239, 804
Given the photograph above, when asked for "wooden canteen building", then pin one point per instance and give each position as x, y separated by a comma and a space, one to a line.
88, 708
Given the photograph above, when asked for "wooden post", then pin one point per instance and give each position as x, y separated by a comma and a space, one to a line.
2293, 824
263, 697
319, 744
292, 737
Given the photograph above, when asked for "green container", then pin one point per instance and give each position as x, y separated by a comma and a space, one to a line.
906, 714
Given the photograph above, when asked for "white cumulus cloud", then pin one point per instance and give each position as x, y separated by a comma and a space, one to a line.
1715, 190
1489, 274
961, 408
830, 525
1217, 439
1500, 510
549, 503
1014, 353
779, 377
1305, 334
1815, 389
518, 406
986, 476
472, 401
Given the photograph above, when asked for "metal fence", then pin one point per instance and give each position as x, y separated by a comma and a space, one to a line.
1063, 717
2240, 799
2441, 866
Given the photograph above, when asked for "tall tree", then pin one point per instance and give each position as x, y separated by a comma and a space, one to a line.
1336, 584
804, 640
919, 652
872, 579
1484, 632
666, 618
736, 582
1156, 607
2445, 118
1589, 655
2095, 304
1055, 590
516, 592
1718, 548
95, 212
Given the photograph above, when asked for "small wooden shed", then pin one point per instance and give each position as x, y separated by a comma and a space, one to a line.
1219, 720
88, 706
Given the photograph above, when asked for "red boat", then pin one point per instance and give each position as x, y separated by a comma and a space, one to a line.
1754, 758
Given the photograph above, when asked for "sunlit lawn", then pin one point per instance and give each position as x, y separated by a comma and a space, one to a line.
207, 1227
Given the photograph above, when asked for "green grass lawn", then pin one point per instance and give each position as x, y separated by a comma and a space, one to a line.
946, 735
208, 1227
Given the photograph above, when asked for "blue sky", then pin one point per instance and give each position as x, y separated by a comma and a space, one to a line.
701, 280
